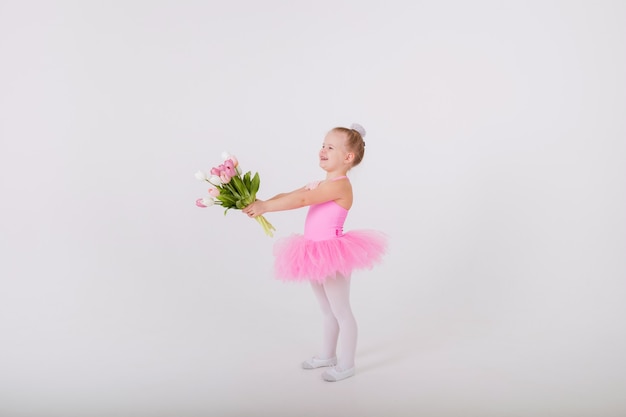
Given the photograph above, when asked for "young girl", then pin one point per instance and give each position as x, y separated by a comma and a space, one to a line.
325, 255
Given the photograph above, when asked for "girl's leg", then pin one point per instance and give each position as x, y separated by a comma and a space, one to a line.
330, 330
337, 292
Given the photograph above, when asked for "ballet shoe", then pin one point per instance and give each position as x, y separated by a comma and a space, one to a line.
316, 362
335, 374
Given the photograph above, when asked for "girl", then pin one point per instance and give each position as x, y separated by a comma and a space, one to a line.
325, 255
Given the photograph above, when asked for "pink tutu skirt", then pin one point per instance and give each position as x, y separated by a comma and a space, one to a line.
301, 259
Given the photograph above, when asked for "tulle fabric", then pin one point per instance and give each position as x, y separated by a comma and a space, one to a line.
301, 259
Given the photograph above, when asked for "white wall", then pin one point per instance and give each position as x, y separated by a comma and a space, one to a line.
495, 161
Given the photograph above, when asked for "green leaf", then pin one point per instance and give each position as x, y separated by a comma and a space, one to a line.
256, 182
232, 190
236, 181
245, 192
227, 200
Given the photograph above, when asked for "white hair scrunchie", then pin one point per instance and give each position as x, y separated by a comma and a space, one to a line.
358, 128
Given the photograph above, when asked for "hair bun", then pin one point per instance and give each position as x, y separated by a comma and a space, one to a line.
358, 128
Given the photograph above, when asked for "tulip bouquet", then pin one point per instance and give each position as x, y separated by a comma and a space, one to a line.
232, 190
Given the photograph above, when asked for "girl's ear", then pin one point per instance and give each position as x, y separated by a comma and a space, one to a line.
349, 157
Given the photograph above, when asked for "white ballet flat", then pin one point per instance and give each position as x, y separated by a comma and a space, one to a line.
316, 362
335, 374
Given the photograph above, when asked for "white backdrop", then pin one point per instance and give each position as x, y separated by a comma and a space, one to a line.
495, 162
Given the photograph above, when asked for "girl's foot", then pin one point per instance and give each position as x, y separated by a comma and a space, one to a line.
316, 362
335, 374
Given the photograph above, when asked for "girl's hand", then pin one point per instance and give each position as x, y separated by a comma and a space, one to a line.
255, 209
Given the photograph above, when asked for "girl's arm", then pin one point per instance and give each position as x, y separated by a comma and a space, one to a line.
300, 198
281, 195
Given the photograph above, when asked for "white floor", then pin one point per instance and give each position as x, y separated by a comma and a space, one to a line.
237, 353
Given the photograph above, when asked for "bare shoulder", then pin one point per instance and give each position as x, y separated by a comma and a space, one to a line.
340, 190
338, 184
344, 183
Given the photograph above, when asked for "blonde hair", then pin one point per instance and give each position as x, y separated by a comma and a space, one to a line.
354, 141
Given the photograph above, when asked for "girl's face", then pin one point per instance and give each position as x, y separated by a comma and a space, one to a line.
334, 154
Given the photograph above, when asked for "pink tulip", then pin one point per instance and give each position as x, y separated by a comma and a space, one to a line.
224, 177
214, 192
235, 161
199, 203
215, 171
229, 168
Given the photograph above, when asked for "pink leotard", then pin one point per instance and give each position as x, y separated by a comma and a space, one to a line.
325, 251
325, 220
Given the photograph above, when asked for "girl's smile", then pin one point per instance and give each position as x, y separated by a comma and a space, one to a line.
333, 153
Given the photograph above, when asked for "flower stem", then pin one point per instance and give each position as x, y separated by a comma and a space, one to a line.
267, 226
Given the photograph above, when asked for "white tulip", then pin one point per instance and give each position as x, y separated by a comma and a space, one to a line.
215, 180
208, 201
225, 155
200, 176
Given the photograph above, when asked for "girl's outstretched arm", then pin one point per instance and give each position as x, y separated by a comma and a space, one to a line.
284, 194
335, 190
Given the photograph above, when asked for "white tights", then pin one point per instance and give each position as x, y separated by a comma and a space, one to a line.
339, 325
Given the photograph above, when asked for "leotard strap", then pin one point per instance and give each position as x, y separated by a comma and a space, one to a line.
338, 178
